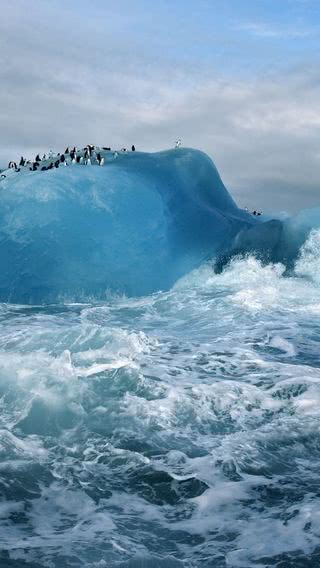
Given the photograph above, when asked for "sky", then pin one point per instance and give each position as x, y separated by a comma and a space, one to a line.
239, 79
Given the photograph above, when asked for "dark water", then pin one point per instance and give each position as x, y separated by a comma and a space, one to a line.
179, 429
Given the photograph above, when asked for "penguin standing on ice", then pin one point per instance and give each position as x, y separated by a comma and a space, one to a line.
133, 148
100, 159
178, 143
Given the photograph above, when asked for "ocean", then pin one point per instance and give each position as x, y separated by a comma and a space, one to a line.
175, 429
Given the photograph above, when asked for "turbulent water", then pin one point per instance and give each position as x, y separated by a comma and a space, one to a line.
175, 429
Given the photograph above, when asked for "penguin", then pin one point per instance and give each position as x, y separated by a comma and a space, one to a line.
38, 159
56, 164
101, 163
3, 176
107, 149
44, 157
44, 169
178, 143
22, 161
78, 158
133, 148
62, 158
66, 150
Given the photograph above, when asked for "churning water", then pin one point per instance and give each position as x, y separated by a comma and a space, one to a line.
177, 429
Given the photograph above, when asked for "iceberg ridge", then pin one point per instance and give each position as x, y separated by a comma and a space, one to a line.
134, 226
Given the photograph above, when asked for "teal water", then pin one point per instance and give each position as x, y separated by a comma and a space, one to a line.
175, 429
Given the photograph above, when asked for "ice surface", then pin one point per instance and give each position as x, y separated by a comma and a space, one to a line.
133, 226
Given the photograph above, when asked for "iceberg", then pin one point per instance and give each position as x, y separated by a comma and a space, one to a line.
273, 240
132, 227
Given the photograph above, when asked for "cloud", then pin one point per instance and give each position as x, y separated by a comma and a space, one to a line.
271, 31
80, 79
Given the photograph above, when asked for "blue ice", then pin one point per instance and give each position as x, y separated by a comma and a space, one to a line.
133, 226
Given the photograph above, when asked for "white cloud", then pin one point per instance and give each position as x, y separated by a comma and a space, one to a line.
94, 86
271, 31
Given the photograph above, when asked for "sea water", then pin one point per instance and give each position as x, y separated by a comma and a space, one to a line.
175, 429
